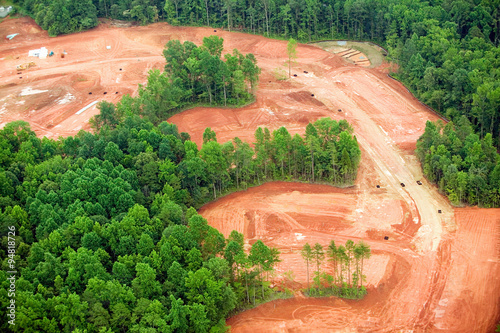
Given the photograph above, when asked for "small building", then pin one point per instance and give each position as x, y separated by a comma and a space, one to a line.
40, 53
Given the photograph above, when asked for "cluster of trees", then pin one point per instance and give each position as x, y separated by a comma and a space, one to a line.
66, 16
328, 152
170, 272
454, 67
61, 16
107, 231
357, 19
465, 166
193, 75
347, 264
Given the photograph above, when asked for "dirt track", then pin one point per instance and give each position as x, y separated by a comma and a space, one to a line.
437, 272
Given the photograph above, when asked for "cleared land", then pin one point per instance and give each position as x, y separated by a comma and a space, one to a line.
437, 272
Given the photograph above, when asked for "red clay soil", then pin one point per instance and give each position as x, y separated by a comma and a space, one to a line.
437, 272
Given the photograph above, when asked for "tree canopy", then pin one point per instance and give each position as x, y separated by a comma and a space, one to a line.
107, 235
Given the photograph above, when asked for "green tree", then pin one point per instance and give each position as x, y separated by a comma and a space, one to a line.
145, 284
307, 255
291, 51
317, 255
209, 135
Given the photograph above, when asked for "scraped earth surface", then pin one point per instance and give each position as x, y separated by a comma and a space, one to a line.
437, 272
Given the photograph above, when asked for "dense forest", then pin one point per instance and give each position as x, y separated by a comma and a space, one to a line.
107, 235
465, 167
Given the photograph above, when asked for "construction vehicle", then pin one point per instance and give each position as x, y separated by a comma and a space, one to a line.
25, 66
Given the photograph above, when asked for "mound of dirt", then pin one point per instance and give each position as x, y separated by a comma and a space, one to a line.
305, 97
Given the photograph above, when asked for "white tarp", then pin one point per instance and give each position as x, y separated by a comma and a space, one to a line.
40, 53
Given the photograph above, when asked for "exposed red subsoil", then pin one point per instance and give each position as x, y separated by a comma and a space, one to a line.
437, 272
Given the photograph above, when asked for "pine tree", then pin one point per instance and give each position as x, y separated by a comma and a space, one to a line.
307, 256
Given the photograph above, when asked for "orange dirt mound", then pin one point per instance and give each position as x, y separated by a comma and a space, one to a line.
305, 97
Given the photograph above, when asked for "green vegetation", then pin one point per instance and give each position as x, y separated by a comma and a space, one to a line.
107, 237
193, 76
465, 167
291, 51
347, 263
279, 74
61, 16
373, 52
107, 233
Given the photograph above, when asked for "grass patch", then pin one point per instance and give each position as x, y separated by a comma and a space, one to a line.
274, 295
374, 53
341, 292
280, 74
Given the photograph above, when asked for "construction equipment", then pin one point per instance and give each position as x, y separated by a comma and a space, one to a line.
51, 53
25, 66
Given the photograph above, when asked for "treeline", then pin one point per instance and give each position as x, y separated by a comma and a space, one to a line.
328, 152
107, 233
346, 261
61, 16
107, 240
193, 75
465, 167
455, 74
66, 16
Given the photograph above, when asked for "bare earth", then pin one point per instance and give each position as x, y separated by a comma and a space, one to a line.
436, 273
